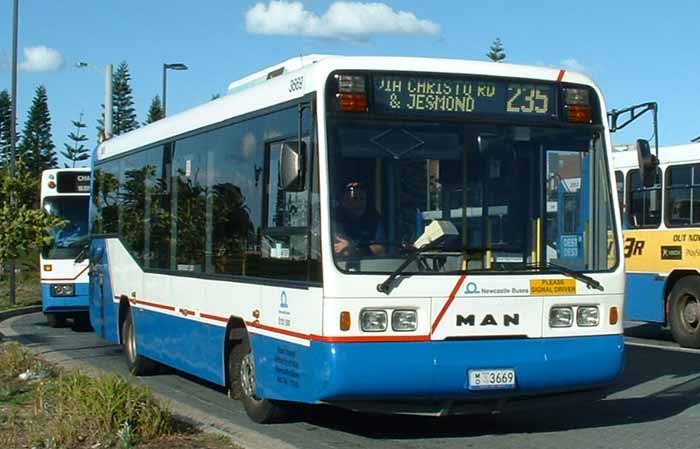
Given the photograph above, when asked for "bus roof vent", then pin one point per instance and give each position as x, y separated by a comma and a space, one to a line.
276, 70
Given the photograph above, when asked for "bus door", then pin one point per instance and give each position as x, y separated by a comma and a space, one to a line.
568, 187
97, 273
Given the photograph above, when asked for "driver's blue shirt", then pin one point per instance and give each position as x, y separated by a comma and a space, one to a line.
362, 230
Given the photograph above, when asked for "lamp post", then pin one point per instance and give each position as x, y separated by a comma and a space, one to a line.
176, 66
108, 97
13, 135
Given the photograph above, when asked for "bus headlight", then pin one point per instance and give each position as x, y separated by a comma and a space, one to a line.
587, 316
404, 320
373, 320
561, 317
62, 289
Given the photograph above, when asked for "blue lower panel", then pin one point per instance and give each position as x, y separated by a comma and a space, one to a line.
53, 304
181, 343
644, 299
355, 371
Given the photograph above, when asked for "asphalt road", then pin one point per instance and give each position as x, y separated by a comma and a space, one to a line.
655, 404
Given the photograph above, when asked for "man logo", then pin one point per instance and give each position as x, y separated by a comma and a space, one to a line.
488, 320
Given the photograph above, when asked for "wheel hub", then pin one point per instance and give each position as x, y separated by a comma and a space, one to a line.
691, 313
248, 375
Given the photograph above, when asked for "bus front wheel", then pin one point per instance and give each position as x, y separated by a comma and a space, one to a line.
138, 364
684, 312
243, 386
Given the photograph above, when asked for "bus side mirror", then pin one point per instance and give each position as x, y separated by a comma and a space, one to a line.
647, 163
292, 161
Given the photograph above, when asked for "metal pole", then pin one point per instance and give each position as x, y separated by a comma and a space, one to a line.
108, 102
13, 137
165, 68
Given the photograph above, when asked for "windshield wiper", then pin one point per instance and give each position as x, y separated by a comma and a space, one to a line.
589, 281
386, 286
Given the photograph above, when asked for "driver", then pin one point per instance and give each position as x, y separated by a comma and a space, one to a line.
358, 230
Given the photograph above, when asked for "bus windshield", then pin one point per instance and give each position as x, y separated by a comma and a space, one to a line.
519, 196
69, 240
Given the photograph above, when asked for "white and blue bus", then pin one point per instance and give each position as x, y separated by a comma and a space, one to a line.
65, 192
368, 232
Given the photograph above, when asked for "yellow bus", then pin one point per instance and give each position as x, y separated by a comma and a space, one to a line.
662, 240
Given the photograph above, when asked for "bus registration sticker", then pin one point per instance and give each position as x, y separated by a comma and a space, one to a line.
491, 379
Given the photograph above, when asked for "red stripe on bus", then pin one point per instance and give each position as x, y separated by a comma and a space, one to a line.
64, 279
150, 304
340, 339
361, 339
561, 75
449, 302
214, 317
289, 333
278, 330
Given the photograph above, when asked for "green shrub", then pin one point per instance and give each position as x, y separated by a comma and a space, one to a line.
79, 406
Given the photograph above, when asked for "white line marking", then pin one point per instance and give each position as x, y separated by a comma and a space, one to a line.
669, 348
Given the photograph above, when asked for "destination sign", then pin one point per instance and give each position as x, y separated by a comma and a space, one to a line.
462, 97
73, 182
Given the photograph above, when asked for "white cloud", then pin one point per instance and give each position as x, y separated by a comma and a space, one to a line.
41, 59
573, 65
343, 20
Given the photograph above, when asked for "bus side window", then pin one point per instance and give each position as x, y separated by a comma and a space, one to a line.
643, 203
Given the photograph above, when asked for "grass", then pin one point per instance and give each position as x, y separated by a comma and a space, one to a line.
28, 291
68, 409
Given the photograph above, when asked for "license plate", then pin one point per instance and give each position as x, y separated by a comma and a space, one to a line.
491, 379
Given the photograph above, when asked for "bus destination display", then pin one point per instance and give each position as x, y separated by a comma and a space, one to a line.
73, 182
462, 97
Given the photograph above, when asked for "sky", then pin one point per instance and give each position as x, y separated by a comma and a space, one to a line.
635, 51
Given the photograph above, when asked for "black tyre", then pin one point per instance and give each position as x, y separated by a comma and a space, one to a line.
56, 319
684, 312
242, 386
82, 321
138, 364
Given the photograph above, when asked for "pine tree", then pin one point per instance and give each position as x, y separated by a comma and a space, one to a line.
5, 119
36, 148
155, 112
123, 112
497, 52
76, 151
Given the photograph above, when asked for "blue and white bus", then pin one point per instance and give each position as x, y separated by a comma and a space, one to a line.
65, 192
368, 232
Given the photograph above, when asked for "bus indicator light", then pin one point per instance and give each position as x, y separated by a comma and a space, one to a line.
578, 105
352, 102
351, 95
48, 267
614, 315
52, 185
579, 113
344, 321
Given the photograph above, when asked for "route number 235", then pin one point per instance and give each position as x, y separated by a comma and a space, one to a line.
527, 98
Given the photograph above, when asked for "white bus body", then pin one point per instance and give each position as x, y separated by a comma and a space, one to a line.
204, 262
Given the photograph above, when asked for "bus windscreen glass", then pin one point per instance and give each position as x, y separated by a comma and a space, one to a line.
70, 239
